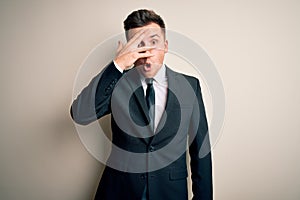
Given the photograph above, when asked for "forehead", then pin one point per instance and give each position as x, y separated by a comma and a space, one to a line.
154, 29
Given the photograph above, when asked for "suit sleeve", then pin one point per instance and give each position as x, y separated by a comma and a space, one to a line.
200, 151
94, 100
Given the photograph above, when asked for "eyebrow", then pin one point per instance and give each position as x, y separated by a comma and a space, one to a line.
155, 35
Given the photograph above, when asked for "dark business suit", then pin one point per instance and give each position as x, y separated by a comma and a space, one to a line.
184, 115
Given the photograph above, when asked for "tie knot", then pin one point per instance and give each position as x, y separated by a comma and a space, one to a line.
149, 81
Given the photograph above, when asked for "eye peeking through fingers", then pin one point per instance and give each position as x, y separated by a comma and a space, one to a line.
141, 44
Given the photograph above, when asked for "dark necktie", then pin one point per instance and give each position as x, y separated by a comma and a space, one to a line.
150, 99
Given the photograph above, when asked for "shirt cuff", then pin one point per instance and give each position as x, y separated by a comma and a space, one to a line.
118, 67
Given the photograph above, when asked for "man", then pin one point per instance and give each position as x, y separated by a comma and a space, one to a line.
156, 115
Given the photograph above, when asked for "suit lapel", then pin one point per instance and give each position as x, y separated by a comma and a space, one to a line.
133, 79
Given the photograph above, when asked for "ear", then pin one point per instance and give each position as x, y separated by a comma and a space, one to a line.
166, 46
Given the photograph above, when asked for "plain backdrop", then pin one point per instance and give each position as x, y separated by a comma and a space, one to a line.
254, 44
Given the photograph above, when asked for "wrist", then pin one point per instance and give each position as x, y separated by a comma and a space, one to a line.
119, 64
118, 67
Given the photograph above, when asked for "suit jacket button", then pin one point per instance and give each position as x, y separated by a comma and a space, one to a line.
151, 148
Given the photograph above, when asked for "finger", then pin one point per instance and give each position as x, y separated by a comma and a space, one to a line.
141, 49
133, 43
144, 55
120, 46
138, 37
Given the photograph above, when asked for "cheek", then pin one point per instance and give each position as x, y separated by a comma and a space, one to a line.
158, 55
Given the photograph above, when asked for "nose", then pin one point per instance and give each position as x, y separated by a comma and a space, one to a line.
148, 51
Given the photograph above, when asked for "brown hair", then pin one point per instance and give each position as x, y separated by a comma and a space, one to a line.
143, 17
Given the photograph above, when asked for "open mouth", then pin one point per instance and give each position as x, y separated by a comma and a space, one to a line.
147, 66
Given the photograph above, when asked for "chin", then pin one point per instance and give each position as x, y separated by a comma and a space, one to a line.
147, 74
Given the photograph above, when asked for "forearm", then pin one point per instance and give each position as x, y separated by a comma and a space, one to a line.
94, 100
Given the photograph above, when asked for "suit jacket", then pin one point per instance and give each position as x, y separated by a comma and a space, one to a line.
161, 156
